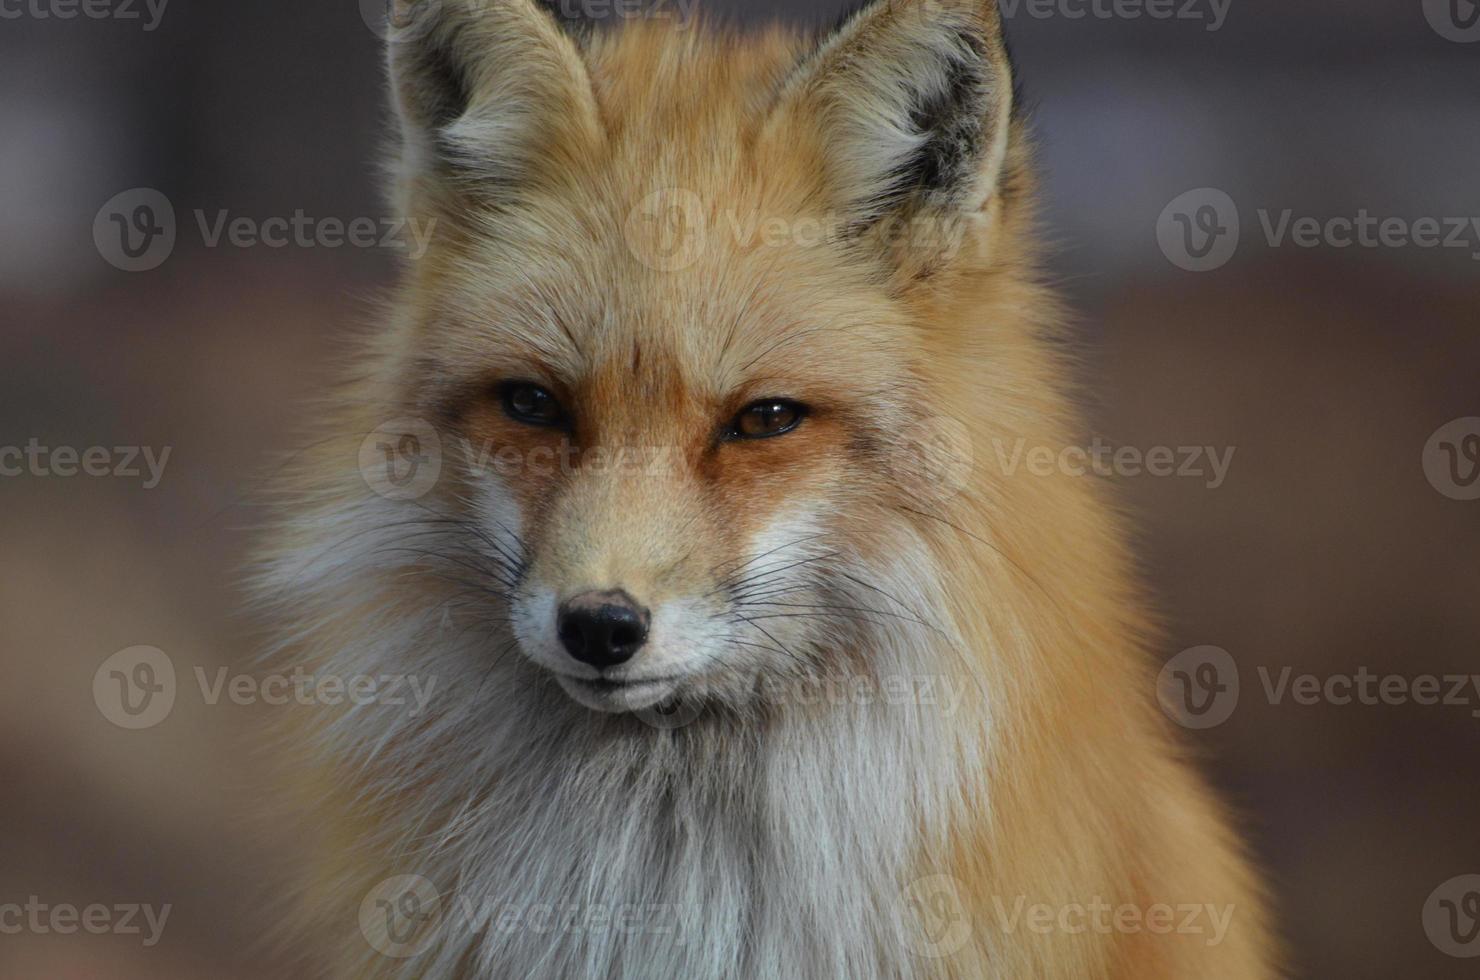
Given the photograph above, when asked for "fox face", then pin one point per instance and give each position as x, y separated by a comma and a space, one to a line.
677, 323
700, 494
685, 493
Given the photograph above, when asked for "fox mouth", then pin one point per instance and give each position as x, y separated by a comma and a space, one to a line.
618, 695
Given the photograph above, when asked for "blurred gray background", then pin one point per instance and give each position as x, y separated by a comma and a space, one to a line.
1329, 369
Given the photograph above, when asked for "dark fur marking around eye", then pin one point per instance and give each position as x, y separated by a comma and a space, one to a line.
865, 448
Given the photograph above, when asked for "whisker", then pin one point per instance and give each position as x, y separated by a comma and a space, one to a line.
1002, 554
825, 607
745, 563
764, 575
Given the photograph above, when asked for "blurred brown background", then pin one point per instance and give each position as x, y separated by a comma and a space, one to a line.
1327, 369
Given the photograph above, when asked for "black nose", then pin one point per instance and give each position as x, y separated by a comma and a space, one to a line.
603, 629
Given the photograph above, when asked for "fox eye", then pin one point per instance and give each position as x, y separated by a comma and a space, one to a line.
767, 418
529, 403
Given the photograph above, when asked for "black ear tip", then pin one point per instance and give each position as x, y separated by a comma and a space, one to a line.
1019, 92
853, 10
439, 86
844, 17
569, 16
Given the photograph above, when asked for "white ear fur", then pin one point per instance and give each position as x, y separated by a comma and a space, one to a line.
482, 87
916, 101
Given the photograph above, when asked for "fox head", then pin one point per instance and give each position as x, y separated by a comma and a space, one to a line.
687, 329
703, 339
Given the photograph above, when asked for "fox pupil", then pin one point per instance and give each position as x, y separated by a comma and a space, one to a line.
764, 419
531, 404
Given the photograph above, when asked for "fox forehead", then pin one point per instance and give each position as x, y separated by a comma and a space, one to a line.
553, 293
683, 236
656, 84
687, 244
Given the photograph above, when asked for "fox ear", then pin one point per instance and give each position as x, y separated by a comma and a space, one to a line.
914, 99
486, 91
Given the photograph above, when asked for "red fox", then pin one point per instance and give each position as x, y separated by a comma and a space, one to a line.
667, 474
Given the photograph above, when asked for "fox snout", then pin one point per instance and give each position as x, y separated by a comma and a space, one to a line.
603, 629
612, 603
